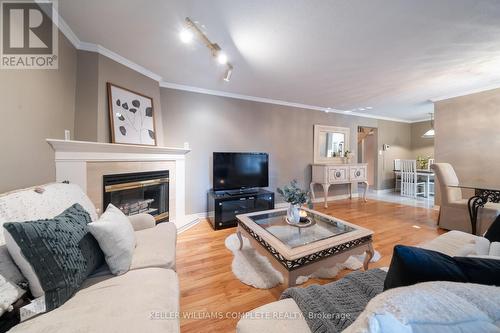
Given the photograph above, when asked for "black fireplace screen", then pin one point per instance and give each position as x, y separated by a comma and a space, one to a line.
134, 193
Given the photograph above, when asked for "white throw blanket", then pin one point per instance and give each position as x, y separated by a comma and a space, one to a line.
432, 307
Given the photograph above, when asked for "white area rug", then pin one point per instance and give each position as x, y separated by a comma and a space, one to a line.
255, 270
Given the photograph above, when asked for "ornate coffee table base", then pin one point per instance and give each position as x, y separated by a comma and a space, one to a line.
291, 275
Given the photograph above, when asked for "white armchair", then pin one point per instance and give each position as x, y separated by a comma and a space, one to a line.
454, 213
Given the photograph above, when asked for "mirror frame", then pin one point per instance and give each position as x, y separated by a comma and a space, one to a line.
318, 129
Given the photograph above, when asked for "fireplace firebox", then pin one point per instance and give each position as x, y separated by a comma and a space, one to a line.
135, 193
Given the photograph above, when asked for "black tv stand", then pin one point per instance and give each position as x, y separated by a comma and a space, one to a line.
223, 207
242, 191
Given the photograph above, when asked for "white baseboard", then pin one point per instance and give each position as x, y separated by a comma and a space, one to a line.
387, 190
188, 222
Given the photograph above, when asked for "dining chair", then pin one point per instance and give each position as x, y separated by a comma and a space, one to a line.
453, 209
431, 186
397, 174
410, 185
429, 163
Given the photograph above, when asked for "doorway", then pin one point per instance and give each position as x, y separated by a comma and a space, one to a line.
367, 152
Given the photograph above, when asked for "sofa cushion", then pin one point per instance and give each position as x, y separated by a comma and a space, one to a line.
116, 238
432, 307
451, 243
55, 255
155, 247
144, 300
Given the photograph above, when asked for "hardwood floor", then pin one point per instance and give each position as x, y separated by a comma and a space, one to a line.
209, 288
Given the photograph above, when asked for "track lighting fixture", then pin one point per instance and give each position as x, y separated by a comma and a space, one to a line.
191, 29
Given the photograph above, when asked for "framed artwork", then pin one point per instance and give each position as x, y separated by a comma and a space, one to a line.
131, 116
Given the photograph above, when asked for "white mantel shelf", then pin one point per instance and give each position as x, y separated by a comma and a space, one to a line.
99, 147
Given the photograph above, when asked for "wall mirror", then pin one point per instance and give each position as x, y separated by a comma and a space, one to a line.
330, 143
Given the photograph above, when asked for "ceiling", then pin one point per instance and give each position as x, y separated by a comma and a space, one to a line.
392, 55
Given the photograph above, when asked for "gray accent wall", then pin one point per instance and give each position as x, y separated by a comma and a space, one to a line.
213, 123
35, 105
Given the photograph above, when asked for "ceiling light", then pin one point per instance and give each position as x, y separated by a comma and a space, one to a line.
186, 36
430, 133
229, 72
327, 110
369, 108
347, 111
361, 109
222, 58
192, 29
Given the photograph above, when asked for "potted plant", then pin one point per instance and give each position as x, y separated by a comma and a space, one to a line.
296, 197
347, 157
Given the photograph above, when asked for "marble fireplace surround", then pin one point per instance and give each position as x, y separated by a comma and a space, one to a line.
84, 163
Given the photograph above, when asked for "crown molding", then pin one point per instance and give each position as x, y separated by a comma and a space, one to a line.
84, 46
119, 59
465, 93
176, 86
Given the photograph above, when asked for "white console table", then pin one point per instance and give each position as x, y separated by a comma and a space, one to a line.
333, 174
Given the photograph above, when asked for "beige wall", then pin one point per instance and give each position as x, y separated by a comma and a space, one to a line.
421, 146
86, 119
213, 123
468, 135
397, 136
35, 105
92, 114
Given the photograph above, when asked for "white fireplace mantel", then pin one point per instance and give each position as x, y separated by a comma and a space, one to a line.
72, 159
97, 151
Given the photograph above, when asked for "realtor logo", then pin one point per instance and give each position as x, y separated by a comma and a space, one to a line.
29, 35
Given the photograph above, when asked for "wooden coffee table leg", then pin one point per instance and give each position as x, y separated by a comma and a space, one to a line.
369, 255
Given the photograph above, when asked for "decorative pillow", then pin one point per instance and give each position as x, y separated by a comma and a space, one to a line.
55, 255
493, 232
116, 238
411, 265
432, 307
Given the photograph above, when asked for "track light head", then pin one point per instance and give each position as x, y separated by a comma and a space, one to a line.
222, 58
229, 72
186, 36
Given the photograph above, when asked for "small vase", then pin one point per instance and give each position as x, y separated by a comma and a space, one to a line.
293, 213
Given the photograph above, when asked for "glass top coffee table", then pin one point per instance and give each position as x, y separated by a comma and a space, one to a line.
300, 251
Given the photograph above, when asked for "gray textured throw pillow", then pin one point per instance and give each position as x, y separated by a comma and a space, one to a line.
61, 251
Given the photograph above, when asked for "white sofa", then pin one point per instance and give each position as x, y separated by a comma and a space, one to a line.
285, 315
145, 299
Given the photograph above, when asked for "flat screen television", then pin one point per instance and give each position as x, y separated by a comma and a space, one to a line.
234, 171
